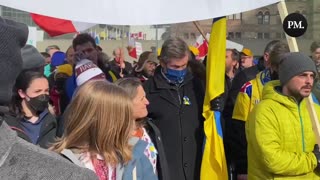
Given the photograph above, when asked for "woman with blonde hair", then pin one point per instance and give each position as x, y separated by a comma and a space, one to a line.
97, 134
145, 129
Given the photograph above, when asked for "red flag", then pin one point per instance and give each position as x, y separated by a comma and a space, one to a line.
203, 49
132, 52
55, 27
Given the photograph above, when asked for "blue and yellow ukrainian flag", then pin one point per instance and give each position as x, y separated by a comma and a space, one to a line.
214, 164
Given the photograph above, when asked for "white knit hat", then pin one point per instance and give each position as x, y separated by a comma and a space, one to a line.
86, 70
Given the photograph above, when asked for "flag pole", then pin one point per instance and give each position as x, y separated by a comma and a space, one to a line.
293, 46
197, 24
157, 43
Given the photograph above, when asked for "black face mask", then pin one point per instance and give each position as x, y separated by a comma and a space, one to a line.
39, 103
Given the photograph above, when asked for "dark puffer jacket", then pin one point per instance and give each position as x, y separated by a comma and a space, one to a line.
48, 130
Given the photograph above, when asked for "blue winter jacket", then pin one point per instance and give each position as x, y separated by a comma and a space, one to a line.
144, 169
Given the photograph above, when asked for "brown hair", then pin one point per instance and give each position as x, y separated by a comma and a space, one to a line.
174, 47
278, 52
130, 85
235, 54
99, 120
314, 46
23, 82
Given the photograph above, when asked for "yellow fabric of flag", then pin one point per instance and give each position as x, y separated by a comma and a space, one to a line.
214, 164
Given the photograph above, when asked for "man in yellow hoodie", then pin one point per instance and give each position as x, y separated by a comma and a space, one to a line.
279, 130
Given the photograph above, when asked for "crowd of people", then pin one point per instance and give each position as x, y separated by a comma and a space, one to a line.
81, 114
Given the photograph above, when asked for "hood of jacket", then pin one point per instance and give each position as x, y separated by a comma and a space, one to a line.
272, 91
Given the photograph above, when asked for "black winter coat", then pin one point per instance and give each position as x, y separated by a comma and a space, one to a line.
235, 137
177, 112
162, 163
116, 69
48, 130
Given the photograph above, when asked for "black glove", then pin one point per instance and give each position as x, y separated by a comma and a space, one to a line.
317, 154
217, 104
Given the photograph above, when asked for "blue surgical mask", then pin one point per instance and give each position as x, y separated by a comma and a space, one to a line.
175, 76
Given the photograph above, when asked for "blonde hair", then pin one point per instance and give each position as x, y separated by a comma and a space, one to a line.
99, 120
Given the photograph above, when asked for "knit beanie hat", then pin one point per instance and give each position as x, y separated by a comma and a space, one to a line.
294, 64
58, 58
31, 58
13, 36
86, 70
145, 57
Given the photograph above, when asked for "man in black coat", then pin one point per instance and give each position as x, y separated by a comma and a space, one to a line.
119, 66
176, 100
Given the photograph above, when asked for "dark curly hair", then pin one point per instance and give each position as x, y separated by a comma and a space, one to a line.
82, 39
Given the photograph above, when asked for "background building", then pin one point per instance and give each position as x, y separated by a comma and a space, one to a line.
255, 28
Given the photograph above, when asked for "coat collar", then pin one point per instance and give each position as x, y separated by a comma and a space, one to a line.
159, 83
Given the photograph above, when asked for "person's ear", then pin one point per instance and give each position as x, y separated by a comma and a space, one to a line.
266, 56
21, 94
162, 64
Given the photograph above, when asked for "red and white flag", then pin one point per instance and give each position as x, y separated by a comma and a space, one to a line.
202, 46
56, 27
132, 49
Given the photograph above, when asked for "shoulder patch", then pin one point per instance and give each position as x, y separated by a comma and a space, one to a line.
247, 88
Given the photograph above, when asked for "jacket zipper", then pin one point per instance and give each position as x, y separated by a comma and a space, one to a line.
179, 97
181, 134
302, 129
